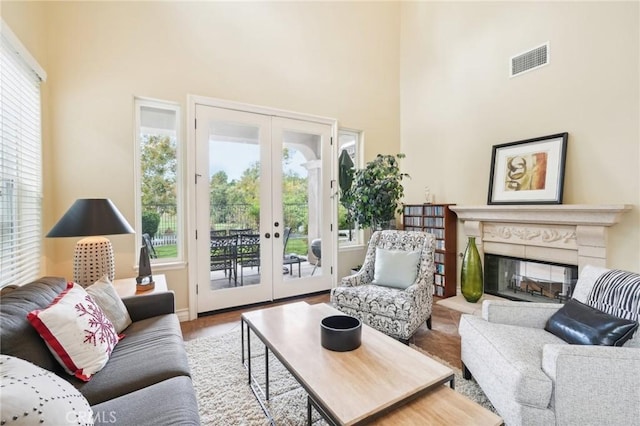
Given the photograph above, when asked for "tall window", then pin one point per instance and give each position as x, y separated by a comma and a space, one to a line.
20, 162
349, 234
159, 189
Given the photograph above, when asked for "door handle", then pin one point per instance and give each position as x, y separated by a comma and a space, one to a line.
267, 235
276, 235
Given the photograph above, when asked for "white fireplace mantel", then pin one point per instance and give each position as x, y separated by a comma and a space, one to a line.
561, 233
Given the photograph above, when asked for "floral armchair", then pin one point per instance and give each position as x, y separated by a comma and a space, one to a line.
394, 311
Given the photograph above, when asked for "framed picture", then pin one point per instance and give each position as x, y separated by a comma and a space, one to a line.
529, 171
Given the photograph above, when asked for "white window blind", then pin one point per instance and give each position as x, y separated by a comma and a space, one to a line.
20, 163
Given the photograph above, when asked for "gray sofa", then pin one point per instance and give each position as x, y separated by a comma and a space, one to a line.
147, 379
533, 377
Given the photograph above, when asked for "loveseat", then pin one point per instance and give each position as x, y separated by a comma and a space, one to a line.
534, 377
146, 380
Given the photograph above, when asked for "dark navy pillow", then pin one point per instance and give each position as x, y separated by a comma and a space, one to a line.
580, 324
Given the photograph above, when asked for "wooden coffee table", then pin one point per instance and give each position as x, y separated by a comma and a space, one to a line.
347, 388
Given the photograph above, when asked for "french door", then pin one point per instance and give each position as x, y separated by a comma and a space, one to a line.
263, 207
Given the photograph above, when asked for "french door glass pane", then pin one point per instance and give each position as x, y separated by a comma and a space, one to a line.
301, 204
234, 219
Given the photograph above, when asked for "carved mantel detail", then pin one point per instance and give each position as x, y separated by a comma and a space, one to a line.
530, 234
570, 234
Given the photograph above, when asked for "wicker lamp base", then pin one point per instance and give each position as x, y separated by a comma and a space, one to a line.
92, 259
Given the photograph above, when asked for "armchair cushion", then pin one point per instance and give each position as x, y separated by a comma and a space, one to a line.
395, 268
581, 324
379, 300
515, 356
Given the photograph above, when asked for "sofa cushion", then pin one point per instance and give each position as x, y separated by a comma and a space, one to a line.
152, 351
76, 331
515, 354
18, 337
32, 395
170, 402
105, 295
581, 324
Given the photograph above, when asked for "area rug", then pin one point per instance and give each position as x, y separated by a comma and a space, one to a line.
224, 396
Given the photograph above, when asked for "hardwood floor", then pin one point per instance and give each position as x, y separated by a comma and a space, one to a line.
442, 341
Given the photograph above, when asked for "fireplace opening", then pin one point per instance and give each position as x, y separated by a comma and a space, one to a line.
528, 280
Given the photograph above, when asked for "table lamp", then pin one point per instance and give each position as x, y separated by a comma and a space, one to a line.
93, 256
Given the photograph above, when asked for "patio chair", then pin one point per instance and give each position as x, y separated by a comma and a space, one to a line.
223, 255
248, 253
289, 260
240, 231
393, 291
217, 232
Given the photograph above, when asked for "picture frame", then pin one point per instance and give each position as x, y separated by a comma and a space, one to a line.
529, 171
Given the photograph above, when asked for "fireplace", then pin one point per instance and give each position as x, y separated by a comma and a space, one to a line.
534, 281
542, 246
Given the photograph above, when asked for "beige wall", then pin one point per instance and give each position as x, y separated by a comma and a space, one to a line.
457, 100
332, 59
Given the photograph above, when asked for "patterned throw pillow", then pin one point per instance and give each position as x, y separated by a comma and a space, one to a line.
612, 291
77, 332
104, 294
617, 293
32, 395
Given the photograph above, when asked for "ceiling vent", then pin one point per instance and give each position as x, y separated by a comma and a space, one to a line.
530, 60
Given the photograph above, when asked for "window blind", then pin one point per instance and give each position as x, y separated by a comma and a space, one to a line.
20, 165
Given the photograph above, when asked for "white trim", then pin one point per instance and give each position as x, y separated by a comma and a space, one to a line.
138, 103
21, 50
256, 109
183, 314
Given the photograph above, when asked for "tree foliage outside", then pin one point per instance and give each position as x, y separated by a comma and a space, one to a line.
150, 222
159, 163
245, 191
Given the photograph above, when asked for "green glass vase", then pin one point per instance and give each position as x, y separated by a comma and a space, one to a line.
471, 282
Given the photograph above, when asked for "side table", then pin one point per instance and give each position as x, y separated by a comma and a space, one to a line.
126, 287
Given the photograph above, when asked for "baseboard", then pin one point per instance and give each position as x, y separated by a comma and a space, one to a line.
183, 314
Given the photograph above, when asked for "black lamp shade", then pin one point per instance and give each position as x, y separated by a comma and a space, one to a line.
91, 217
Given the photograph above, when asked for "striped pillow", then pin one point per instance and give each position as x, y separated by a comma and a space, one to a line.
617, 293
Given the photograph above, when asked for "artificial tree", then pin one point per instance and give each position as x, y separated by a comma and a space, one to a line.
373, 198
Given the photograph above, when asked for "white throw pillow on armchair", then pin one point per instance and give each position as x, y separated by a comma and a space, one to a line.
395, 268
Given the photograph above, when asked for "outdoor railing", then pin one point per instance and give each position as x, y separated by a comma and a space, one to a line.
231, 216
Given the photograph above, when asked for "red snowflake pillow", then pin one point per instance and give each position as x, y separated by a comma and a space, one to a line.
76, 331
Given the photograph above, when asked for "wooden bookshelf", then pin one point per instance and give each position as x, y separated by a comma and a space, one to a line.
439, 220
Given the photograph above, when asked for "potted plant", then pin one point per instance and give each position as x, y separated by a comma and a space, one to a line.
374, 194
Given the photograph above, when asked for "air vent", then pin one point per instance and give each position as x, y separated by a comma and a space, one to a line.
530, 60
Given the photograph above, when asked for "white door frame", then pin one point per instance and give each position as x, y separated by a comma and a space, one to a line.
192, 101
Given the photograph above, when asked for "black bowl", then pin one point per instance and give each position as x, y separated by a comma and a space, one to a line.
340, 333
